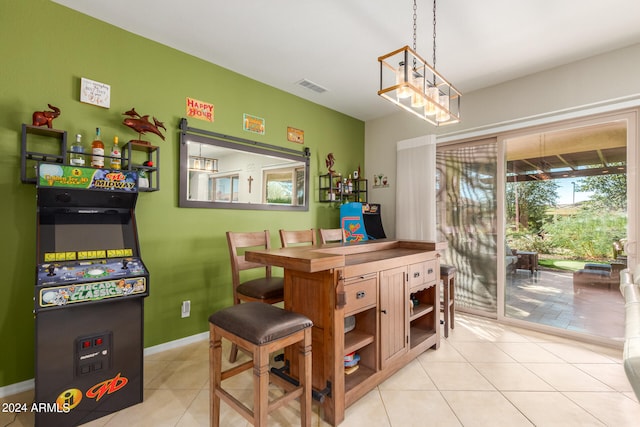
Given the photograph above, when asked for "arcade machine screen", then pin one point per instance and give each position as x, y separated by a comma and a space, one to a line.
89, 295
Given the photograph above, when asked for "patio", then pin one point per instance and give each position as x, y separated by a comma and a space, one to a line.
548, 297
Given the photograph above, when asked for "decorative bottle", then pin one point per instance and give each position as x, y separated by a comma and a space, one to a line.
97, 151
115, 157
76, 157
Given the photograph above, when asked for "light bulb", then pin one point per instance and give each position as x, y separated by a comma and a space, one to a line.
403, 91
433, 93
417, 99
442, 115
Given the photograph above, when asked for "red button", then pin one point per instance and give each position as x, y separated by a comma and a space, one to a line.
98, 341
86, 344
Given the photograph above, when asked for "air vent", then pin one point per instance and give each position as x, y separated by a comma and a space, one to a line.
312, 86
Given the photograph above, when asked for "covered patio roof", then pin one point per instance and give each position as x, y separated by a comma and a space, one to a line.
578, 152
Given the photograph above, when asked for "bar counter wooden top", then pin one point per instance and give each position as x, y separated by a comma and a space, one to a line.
391, 291
311, 259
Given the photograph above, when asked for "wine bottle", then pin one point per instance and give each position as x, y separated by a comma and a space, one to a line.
97, 151
115, 157
76, 156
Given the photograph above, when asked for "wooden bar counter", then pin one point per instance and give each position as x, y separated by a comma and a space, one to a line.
392, 290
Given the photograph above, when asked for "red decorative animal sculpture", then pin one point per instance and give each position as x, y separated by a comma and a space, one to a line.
141, 124
41, 118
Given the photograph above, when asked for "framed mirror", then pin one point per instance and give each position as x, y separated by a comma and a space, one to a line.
223, 172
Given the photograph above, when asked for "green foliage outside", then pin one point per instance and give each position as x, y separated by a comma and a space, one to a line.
532, 200
586, 232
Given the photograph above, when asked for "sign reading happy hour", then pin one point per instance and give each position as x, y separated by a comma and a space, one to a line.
253, 124
200, 110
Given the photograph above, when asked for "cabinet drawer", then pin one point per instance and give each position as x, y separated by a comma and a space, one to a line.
421, 273
360, 295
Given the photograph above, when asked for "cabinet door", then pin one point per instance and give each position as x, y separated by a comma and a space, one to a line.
393, 314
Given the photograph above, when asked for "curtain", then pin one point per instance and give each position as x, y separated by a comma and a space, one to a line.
416, 188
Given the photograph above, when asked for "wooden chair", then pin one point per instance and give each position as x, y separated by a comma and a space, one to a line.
289, 238
267, 289
328, 235
262, 329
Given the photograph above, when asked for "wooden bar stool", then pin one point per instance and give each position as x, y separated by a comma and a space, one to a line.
261, 329
330, 235
448, 276
293, 237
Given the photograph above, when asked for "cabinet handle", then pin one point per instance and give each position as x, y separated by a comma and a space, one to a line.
361, 294
383, 311
430, 271
416, 275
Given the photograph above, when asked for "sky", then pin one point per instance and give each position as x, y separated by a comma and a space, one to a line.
565, 191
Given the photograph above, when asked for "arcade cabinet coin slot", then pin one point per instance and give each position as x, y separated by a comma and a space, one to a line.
93, 353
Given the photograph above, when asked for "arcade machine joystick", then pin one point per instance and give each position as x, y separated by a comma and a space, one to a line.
51, 270
89, 295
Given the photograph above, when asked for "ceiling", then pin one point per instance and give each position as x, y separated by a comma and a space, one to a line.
570, 153
335, 43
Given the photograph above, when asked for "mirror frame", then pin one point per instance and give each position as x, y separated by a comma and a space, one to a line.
201, 136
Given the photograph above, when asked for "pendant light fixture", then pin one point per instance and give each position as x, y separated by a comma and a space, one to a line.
411, 83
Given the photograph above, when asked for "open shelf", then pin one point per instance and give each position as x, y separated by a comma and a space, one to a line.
418, 334
420, 310
357, 377
355, 340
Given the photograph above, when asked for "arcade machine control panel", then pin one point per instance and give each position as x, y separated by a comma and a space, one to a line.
69, 282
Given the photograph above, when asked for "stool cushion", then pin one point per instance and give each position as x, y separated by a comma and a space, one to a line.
447, 270
259, 323
263, 288
593, 266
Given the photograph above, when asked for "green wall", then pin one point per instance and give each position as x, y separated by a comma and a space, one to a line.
44, 51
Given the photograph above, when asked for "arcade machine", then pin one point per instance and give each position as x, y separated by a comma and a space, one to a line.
89, 295
372, 216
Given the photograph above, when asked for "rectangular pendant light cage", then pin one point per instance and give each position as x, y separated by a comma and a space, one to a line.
411, 83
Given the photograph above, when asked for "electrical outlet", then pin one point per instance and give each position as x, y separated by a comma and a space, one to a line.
186, 309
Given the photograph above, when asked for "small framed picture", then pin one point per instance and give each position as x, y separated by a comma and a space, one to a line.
95, 93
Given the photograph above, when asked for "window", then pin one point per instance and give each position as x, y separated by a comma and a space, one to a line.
226, 188
284, 186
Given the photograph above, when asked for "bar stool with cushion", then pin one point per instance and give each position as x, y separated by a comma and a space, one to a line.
267, 289
448, 276
329, 235
289, 238
261, 329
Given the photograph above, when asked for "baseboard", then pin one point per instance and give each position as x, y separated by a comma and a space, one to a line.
11, 389
175, 344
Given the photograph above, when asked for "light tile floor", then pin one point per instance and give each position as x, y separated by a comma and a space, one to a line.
550, 298
484, 374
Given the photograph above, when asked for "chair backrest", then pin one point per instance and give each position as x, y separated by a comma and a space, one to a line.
238, 243
328, 235
289, 238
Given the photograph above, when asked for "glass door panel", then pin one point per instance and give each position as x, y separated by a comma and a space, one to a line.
566, 212
466, 220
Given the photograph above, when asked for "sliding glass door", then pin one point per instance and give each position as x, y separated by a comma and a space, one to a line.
567, 226
540, 222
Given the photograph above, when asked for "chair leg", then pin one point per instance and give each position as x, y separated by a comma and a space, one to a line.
446, 306
215, 379
452, 295
304, 374
260, 386
233, 354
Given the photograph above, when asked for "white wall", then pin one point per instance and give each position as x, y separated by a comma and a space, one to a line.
607, 79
